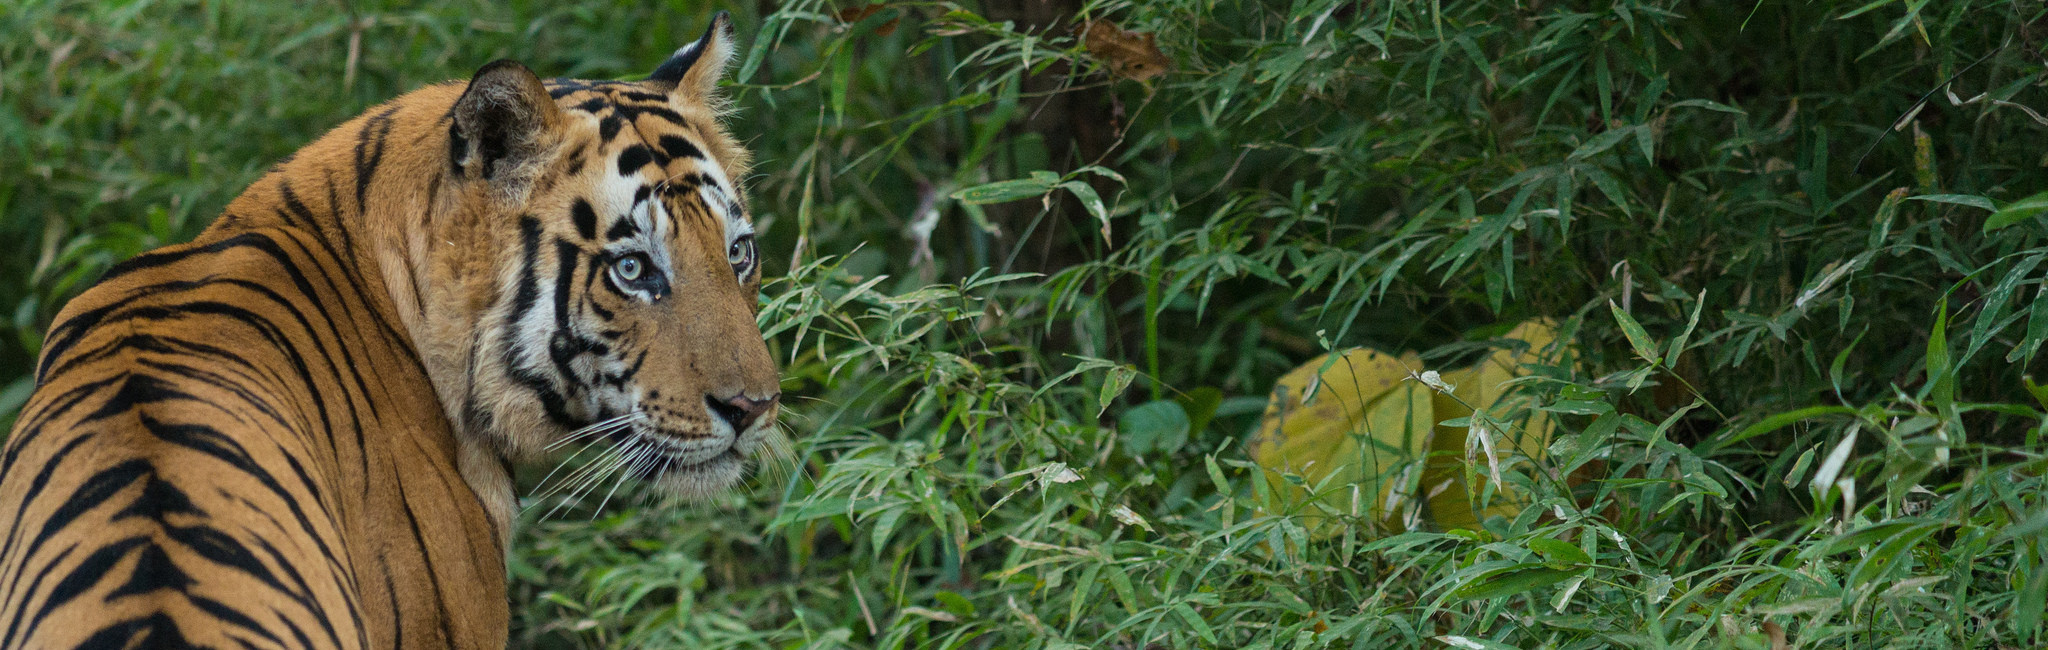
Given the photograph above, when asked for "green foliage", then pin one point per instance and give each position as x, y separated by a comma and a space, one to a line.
1799, 246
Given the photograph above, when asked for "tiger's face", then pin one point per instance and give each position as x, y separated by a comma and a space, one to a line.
620, 311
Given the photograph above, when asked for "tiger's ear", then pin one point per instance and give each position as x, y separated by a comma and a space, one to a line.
696, 68
501, 119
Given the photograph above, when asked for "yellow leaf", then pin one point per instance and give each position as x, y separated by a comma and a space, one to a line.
1359, 439
1453, 498
1362, 423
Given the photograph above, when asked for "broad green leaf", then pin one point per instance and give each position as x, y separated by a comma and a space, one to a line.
2016, 212
1779, 421
1092, 202
1824, 477
1038, 184
1160, 426
1194, 620
1995, 301
1512, 580
1709, 105
1971, 200
1678, 344
1799, 468
1557, 552
1637, 337
1940, 379
1606, 140
2032, 601
1113, 385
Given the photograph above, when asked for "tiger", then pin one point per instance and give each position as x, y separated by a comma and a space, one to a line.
299, 429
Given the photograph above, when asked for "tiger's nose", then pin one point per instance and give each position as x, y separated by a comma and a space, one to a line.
741, 411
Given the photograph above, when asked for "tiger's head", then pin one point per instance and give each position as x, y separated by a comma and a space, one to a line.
602, 276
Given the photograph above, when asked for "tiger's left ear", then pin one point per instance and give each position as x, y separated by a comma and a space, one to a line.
696, 68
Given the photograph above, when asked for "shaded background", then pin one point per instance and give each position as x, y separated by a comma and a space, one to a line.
1790, 198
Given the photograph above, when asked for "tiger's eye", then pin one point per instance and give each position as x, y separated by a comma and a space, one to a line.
629, 268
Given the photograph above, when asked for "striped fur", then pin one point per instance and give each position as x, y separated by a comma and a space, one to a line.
296, 431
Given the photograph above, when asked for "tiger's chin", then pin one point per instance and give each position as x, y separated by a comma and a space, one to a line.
765, 450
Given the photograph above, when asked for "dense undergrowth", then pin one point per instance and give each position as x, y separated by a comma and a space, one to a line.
1031, 299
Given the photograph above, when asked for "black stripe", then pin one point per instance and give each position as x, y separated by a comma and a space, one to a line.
565, 344
137, 390
154, 571
527, 291
34, 585
35, 489
524, 297
219, 548
159, 499
234, 617
679, 147
90, 494
304, 596
565, 282
634, 112
84, 576
621, 229
65, 334
633, 158
397, 619
619, 380
348, 236
433, 579
585, 217
156, 631
370, 152
299, 634
208, 441
276, 337
574, 162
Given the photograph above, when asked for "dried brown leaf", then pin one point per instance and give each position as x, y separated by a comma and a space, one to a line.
1127, 54
851, 15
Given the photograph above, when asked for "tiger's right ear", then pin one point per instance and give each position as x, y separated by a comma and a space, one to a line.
696, 68
501, 119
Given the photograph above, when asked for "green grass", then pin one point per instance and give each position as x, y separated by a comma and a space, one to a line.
1802, 396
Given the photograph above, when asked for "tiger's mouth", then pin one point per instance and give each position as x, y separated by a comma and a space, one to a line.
667, 453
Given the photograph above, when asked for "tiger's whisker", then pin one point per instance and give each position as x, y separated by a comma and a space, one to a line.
565, 463
596, 428
639, 457
577, 476
606, 426
592, 479
541, 491
594, 472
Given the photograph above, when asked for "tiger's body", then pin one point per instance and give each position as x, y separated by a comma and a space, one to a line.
296, 430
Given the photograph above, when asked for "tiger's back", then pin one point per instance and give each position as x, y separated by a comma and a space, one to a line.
230, 432
298, 430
